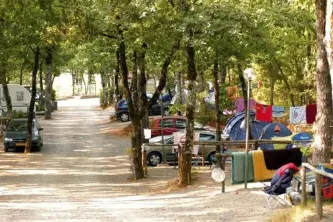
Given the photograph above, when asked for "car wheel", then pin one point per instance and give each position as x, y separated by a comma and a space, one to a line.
212, 158
38, 148
124, 117
154, 158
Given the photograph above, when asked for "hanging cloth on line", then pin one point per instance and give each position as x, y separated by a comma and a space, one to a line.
311, 112
297, 115
263, 113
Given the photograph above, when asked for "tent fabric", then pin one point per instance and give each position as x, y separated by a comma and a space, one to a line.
269, 131
235, 130
238, 167
261, 172
303, 136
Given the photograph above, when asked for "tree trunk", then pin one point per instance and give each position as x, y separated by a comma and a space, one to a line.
111, 89
179, 87
272, 86
103, 82
73, 83
48, 85
7, 97
21, 73
186, 160
116, 78
3, 80
323, 138
243, 84
41, 99
217, 112
285, 80
223, 73
32, 102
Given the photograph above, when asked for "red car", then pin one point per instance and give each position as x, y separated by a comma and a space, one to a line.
170, 125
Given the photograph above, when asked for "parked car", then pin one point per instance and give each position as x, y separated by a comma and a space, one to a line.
155, 152
15, 134
170, 124
121, 109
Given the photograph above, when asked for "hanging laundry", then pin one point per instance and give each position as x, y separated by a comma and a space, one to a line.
263, 113
239, 105
311, 112
278, 111
297, 115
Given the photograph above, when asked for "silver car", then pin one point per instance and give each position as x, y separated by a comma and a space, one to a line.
155, 151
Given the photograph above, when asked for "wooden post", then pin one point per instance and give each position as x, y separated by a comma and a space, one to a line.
319, 206
223, 159
303, 175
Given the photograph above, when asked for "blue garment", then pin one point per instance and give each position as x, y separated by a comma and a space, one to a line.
278, 111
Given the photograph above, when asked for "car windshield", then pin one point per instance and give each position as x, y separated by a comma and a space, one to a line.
18, 125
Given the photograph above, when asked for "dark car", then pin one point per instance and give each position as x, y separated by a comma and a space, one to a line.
121, 109
15, 134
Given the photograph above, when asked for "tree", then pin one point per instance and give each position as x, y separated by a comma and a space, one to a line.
323, 138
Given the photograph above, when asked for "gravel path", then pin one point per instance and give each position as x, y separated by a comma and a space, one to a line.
82, 174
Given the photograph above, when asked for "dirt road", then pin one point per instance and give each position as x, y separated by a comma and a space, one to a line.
82, 174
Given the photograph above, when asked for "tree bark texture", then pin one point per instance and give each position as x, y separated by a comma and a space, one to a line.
104, 82
217, 113
272, 86
243, 84
32, 101
223, 73
186, 160
48, 85
323, 137
116, 77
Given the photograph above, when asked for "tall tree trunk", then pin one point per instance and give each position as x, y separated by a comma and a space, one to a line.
285, 80
48, 85
103, 82
179, 87
32, 102
73, 82
111, 89
3, 80
272, 86
217, 112
116, 77
186, 153
223, 73
243, 84
323, 138
41, 98
21, 73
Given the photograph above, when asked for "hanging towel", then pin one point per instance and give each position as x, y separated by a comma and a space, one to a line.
239, 105
311, 112
297, 115
274, 159
263, 113
238, 167
278, 111
261, 172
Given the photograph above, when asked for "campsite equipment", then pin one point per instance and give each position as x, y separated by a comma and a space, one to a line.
235, 128
274, 130
280, 182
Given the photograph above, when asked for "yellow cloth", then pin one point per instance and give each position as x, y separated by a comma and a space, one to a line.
281, 146
259, 167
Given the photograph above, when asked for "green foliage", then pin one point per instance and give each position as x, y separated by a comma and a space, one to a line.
19, 114
53, 95
175, 109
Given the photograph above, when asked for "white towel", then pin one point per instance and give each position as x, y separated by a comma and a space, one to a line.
298, 115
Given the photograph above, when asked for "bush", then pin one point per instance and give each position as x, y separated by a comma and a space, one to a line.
53, 95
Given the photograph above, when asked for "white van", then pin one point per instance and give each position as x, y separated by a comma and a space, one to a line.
20, 97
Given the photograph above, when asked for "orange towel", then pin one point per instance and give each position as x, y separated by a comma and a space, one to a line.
259, 167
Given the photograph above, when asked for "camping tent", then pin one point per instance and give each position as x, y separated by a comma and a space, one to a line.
303, 136
236, 130
274, 130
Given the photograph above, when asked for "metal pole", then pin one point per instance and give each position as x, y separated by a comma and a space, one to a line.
247, 131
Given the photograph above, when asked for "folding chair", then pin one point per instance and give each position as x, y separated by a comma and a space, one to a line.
276, 193
273, 200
